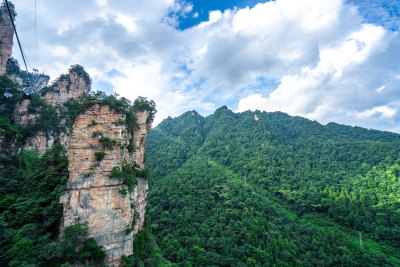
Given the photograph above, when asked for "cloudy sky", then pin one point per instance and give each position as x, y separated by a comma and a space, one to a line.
328, 60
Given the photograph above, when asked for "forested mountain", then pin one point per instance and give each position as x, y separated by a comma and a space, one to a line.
264, 189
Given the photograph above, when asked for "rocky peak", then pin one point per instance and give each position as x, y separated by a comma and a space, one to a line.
67, 86
6, 36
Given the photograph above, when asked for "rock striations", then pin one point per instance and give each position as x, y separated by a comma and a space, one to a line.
6, 37
65, 88
114, 213
113, 208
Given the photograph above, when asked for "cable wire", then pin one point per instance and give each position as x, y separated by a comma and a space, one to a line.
16, 34
36, 36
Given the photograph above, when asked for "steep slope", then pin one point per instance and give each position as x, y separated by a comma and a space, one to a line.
113, 206
267, 188
6, 36
101, 181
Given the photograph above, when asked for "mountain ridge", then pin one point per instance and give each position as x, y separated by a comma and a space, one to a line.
223, 181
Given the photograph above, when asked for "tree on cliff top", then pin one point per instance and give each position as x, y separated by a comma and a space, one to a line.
80, 70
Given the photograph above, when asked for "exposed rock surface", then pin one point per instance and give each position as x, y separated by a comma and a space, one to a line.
6, 39
70, 86
91, 194
65, 88
21, 114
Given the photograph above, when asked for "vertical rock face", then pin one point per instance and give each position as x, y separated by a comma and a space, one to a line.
114, 213
6, 38
66, 87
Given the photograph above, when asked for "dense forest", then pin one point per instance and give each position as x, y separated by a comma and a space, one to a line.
230, 189
268, 189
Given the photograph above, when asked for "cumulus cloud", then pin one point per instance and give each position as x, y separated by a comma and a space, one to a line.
329, 63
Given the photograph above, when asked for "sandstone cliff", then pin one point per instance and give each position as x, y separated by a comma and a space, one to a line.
6, 37
69, 86
66, 87
114, 211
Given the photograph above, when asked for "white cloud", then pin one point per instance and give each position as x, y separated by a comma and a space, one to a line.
126, 21
101, 2
380, 112
380, 89
252, 102
331, 65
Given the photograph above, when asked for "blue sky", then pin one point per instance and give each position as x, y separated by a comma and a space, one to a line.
201, 9
327, 60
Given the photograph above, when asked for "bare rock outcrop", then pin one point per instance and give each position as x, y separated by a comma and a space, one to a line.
6, 37
71, 85
113, 211
66, 87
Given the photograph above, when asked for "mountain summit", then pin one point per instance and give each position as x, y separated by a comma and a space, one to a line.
264, 189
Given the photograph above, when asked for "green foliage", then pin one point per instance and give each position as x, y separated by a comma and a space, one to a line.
120, 122
145, 173
145, 250
9, 130
13, 67
127, 174
143, 104
90, 253
3, 10
107, 142
30, 211
131, 148
93, 123
121, 105
229, 190
30, 214
99, 155
123, 192
47, 120
78, 69
7, 106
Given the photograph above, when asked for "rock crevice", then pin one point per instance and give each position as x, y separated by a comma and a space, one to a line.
113, 211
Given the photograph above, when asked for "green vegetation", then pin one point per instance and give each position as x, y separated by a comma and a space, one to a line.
93, 123
30, 213
127, 175
31, 185
99, 155
143, 104
3, 9
145, 250
107, 142
229, 190
123, 192
78, 69
13, 67
90, 253
46, 119
145, 173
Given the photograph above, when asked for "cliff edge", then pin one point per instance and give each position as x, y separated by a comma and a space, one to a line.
105, 187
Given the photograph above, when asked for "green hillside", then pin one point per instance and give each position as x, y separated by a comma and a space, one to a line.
264, 189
